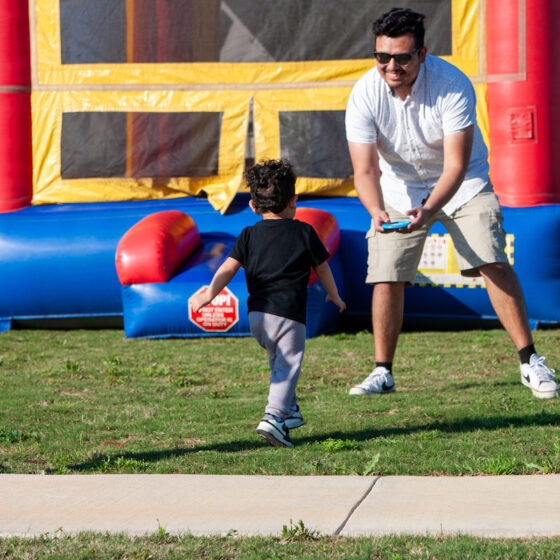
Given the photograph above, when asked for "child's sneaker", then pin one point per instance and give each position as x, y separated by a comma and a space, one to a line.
274, 431
295, 420
538, 378
377, 382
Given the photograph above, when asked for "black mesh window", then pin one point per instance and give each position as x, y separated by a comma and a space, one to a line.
315, 143
105, 31
291, 30
93, 145
92, 31
105, 144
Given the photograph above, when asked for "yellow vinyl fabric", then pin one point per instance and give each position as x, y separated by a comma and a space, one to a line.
267, 107
49, 106
231, 90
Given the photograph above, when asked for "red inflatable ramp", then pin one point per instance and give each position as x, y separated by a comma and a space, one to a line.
326, 226
154, 248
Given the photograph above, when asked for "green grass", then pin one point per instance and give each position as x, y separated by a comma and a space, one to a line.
95, 402
301, 547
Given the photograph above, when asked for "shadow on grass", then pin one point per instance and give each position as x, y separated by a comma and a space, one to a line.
462, 385
464, 425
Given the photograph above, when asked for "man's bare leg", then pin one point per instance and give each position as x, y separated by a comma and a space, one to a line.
387, 308
508, 302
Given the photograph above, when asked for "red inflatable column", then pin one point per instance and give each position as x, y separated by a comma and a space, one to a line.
16, 187
523, 93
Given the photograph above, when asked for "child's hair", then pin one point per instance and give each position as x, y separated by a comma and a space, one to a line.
272, 184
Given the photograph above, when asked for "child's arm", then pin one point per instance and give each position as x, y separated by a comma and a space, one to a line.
221, 279
324, 274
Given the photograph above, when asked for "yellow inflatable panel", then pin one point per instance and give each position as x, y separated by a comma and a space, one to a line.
47, 115
67, 85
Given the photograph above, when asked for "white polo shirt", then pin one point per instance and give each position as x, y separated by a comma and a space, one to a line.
409, 134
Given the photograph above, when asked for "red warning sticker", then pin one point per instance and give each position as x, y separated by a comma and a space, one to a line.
219, 315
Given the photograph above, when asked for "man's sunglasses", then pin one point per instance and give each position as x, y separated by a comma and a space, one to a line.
402, 59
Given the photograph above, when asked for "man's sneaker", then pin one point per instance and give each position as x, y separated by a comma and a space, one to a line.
378, 381
295, 420
274, 431
539, 378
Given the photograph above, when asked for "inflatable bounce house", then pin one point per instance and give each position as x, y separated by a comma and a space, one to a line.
127, 124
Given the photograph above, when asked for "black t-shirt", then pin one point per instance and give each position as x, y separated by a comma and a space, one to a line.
277, 256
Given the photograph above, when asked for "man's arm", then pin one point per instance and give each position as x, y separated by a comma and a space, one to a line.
456, 157
365, 161
221, 279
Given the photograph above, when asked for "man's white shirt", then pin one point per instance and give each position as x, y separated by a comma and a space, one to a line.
409, 134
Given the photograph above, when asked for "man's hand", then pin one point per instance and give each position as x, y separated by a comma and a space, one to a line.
380, 217
420, 216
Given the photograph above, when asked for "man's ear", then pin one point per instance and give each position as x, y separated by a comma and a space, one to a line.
292, 202
252, 206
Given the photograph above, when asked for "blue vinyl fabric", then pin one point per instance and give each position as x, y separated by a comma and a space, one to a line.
58, 261
160, 310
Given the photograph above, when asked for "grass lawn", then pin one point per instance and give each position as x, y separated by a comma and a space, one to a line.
94, 402
161, 546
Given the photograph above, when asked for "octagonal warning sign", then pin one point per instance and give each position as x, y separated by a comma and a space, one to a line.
219, 315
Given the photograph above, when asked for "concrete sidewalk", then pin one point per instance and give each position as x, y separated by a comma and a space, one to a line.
505, 506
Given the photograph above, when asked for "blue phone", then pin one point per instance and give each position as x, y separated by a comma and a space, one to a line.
396, 225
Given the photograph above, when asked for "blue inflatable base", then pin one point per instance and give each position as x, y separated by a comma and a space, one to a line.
161, 310
58, 263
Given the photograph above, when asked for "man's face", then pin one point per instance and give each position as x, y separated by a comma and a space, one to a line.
400, 78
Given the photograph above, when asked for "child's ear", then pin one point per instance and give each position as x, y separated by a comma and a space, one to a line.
252, 206
293, 201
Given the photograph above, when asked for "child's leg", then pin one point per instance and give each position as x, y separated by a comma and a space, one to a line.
284, 340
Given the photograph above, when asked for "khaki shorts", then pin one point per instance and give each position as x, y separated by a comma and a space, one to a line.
475, 229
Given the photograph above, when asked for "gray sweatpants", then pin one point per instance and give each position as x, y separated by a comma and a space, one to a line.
284, 340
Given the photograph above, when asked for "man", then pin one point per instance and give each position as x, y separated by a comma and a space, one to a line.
418, 154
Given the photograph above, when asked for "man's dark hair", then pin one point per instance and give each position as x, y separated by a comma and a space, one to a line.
272, 184
399, 21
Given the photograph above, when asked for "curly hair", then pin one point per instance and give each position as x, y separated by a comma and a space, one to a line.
272, 184
400, 21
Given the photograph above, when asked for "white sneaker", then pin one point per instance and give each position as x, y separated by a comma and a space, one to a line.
274, 431
378, 381
295, 420
539, 378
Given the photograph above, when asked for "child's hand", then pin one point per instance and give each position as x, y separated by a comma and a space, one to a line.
338, 302
198, 301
